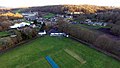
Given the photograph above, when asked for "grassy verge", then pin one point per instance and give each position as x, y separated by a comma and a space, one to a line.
3, 34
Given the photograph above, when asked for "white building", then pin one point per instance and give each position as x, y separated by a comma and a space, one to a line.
31, 14
42, 33
19, 25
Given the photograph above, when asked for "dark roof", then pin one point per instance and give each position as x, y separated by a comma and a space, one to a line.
53, 31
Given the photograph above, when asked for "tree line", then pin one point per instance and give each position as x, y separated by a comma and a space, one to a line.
17, 36
102, 41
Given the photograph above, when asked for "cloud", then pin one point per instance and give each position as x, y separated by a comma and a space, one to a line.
22, 3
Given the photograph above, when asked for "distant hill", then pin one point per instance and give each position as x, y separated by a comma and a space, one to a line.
70, 8
61, 9
4, 9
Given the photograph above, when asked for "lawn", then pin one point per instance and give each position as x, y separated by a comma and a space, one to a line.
3, 34
32, 55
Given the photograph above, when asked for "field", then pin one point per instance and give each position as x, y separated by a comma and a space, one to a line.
49, 15
32, 55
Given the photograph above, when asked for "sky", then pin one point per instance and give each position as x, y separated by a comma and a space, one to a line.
28, 3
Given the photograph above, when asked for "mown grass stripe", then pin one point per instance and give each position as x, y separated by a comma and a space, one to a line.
73, 54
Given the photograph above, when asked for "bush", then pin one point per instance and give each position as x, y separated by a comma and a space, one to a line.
116, 48
28, 33
1, 28
19, 35
14, 39
6, 42
116, 30
105, 42
5, 25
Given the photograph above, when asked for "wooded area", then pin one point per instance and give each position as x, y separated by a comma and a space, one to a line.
102, 41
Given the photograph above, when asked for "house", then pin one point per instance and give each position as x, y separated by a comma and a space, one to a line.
78, 13
88, 20
57, 34
53, 30
19, 20
30, 14
104, 24
70, 13
74, 22
31, 18
42, 33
